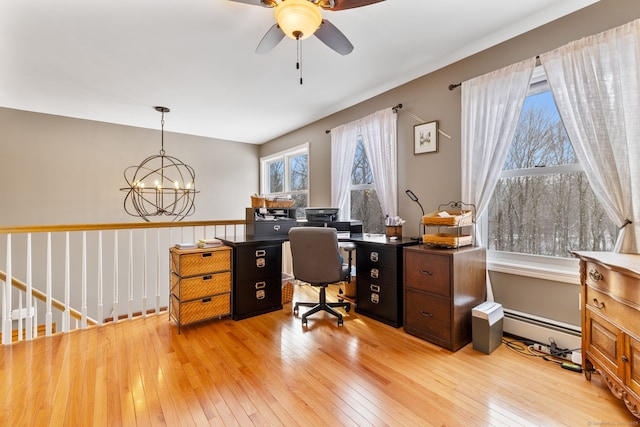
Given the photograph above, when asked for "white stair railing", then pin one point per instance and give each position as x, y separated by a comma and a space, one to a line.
68, 279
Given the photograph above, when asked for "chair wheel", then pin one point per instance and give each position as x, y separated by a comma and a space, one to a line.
295, 311
304, 322
340, 322
347, 308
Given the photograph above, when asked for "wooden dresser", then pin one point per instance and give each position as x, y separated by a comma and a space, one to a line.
611, 322
200, 284
441, 287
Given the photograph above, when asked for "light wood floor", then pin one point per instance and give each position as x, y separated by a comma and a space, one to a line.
269, 370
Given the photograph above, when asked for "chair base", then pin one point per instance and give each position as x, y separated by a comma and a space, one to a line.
322, 305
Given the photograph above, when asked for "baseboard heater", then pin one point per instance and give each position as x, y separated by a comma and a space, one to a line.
542, 330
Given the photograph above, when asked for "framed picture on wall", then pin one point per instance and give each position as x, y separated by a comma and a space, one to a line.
425, 138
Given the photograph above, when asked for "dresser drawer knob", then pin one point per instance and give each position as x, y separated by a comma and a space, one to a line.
374, 273
426, 314
595, 276
597, 305
625, 359
428, 273
260, 262
207, 254
204, 278
373, 256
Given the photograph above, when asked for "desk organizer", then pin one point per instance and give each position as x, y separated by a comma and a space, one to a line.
456, 218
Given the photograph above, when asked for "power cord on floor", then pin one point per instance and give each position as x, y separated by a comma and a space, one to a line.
525, 348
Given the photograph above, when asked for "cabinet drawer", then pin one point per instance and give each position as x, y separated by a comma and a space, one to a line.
196, 262
617, 313
257, 296
200, 286
258, 261
368, 257
379, 299
427, 272
202, 309
616, 283
428, 314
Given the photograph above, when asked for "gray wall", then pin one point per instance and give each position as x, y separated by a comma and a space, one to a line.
59, 170
435, 177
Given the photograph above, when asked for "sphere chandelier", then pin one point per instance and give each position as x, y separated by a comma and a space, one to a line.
160, 186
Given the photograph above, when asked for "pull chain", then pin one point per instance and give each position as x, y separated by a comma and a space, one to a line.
299, 54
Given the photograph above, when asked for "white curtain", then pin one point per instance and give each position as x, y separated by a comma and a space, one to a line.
343, 150
378, 132
491, 106
379, 137
596, 85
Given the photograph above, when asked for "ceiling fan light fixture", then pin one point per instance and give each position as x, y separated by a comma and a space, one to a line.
298, 19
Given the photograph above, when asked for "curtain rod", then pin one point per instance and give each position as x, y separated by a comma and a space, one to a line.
452, 86
395, 110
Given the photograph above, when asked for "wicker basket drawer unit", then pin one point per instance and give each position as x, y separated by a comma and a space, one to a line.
200, 284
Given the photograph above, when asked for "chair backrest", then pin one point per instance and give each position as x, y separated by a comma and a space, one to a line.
315, 255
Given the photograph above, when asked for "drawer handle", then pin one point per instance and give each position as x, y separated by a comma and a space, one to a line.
428, 273
373, 256
426, 314
207, 277
260, 252
375, 288
595, 276
206, 300
625, 359
260, 294
207, 254
375, 298
260, 262
276, 228
260, 285
596, 305
375, 273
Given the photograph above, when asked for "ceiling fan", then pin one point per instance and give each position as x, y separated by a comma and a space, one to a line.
299, 19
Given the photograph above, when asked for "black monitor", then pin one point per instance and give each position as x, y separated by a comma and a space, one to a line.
321, 214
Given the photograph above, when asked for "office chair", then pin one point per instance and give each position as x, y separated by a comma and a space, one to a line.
316, 260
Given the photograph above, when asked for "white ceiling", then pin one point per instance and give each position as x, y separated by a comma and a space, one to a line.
113, 60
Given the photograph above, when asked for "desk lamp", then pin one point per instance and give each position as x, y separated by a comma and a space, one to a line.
414, 198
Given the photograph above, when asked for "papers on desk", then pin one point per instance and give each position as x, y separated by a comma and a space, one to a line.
186, 245
344, 234
209, 243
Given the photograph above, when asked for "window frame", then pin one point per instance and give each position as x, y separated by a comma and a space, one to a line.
284, 155
558, 269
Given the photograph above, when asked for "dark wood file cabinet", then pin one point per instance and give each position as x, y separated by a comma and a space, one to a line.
441, 287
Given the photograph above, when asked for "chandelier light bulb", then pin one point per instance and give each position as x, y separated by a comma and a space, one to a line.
298, 19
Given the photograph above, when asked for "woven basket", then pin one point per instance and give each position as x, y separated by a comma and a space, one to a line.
206, 308
279, 203
257, 202
349, 288
457, 218
447, 240
287, 292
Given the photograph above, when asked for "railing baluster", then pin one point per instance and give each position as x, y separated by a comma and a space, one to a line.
116, 281
158, 271
66, 316
100, 283
49, 313
28, 319
6, 301
130, 282
144, 274
34, 303
83, 309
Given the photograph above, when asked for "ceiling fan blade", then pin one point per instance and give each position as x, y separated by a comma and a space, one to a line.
265, 3
270, 40
346, 4
333, 37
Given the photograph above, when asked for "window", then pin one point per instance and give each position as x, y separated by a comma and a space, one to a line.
543, 203
364, 203
286, 174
